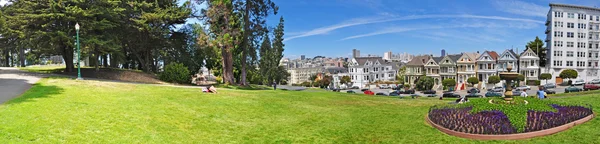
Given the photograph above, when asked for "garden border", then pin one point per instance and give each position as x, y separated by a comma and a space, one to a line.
517, 136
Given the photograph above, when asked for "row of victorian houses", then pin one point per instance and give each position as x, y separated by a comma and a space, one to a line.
460, 67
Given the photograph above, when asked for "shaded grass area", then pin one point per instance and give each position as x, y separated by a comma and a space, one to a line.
102, 73
60, 110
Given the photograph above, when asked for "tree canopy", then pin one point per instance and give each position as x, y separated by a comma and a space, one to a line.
473, 80
494, 79
568, 74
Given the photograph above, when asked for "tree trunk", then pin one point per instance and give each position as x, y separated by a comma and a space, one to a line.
67, 54
227, 65
6, 58
113, 61
105, 60
96, 61
22, 56
245, 45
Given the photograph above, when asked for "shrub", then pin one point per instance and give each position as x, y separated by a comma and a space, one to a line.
533, 82
545, 76
494, 79
175, 73
473, 80
449, 82
568, 74
425, 83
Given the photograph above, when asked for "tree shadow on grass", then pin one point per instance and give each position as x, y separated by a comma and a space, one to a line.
250, 87
14, 91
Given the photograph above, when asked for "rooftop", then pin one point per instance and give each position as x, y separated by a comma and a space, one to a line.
573, 6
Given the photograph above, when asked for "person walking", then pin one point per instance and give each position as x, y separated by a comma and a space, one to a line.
274, 85
524, 93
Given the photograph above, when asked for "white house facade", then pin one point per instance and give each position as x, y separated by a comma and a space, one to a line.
486, 65
366, 70
529, 65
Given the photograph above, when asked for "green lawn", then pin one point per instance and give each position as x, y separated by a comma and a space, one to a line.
60, 110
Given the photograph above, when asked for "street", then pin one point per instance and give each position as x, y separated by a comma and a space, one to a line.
532, 92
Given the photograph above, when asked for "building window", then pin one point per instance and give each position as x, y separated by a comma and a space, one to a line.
569, 63
558, 43
570, 25
570, 44
580, 35
569, 53
558, 14
557, 63
570, 15
570, 34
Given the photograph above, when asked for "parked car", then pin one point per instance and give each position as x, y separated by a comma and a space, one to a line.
429, 92
354, 87
473, 95
590, 86
410, 91
549, 85
517, 92
450, 94
572, 89
384, 86
579, 82
381, 94
394, 93
369, 92
394, 86
524, 88
595, 81
351, 92
363, 90
496, 89
473, 90
549, 91
493, 94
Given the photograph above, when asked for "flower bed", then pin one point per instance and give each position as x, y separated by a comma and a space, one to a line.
481, 118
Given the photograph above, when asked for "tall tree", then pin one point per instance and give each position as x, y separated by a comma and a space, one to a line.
537, 46
254, 14
278, 48
224, 27
265, 63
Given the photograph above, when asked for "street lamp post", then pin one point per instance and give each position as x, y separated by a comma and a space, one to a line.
78, 54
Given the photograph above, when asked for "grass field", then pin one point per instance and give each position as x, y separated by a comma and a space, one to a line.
60, 110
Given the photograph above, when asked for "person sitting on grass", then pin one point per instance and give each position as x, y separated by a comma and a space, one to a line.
212, 89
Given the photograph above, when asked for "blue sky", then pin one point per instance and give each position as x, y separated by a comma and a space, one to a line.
335, 27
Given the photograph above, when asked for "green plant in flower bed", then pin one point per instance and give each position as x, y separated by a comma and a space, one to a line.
484, 117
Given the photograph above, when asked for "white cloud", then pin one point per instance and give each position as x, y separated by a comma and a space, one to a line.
448, 26
521, 8
363, 21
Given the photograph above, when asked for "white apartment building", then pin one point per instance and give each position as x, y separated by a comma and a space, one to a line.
486, 65
573, 40
366, 70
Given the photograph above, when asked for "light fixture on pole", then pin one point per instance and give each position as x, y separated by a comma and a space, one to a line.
78, 53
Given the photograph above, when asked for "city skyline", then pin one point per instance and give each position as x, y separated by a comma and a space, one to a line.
412, 26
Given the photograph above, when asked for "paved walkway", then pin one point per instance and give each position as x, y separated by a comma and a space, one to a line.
14, 82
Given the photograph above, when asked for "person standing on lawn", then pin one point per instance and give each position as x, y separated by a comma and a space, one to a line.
274, 85
541, 93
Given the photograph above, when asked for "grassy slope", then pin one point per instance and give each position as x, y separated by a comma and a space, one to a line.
62, 110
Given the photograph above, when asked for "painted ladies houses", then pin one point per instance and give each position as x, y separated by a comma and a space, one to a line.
415, 69
508, 57
486, 65
366, 70
432, 69
466, 68
448, 66
529, 65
